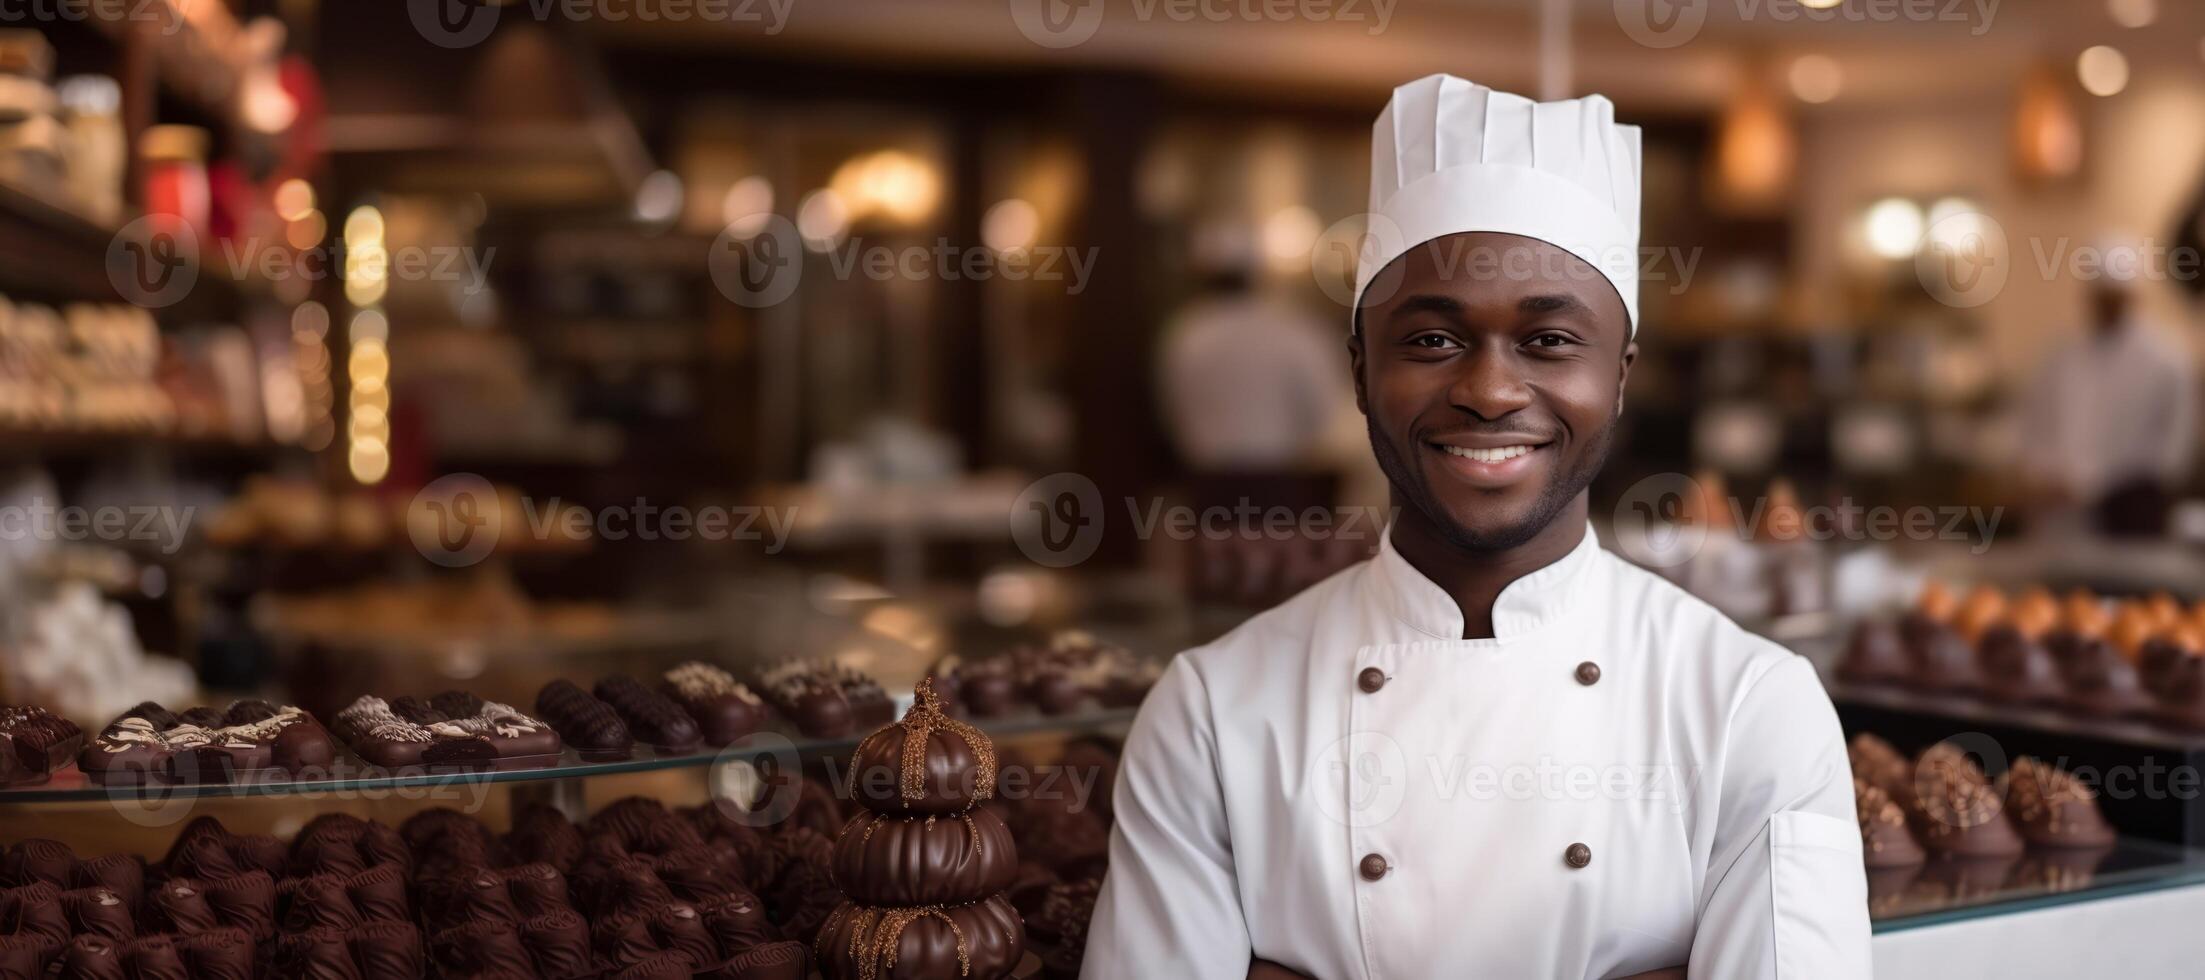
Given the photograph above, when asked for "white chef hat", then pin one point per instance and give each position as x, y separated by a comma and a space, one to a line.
1450, 156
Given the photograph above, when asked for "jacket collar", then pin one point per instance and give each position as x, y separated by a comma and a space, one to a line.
1524, 605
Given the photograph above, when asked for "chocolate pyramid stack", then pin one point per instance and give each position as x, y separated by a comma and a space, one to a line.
924, 868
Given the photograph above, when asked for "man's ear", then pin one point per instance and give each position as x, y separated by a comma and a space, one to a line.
1355, 367
1623, 373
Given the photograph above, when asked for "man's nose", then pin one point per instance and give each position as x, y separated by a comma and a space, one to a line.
1489, 385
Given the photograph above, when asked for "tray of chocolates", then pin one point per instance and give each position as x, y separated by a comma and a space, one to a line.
452, 731
1072, 672
249, 741
726, 710
33, 743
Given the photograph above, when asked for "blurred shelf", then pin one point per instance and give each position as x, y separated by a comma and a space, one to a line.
50, 443
352, 775
1946, 890
50, 252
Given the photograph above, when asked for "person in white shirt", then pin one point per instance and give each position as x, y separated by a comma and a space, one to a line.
2112, 417
1495, 749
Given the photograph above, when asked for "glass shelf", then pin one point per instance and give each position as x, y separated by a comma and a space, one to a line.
350, 775
1943, 891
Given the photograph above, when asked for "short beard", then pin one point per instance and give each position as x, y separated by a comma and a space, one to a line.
1552, 499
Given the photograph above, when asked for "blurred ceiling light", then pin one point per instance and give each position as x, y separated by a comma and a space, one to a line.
369, 461
888, 182
265, 106
1754, 154
2103, 71
2133, 13
1816, 78
822, 219
1954, 222
307, 230
1288, 234
2048, 140
310, 321
658, 198
1820, 4
368, 325
748, 206
293, 198
364, 227
1894, 228
1010, 226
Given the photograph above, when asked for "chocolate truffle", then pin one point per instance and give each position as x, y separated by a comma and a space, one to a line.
1957, 810
388, 950
590, 726
1874, 761
536, 889
680, 927
155, 958
322, 954
1942, 659
886, 861
786, 960
181, 905
219, 954
1884, 840
90, 957
924, 764
37, 859
725, 709
2053, 808
380, 893
34, 909
808, 698
486, 947
315, 902
36, 741
2101, 684
123, 874
559, 943
624, 936
28, 956
260, 852
667, 965
2016, 668
984, 940
654, 718
737, 920
101, 912
987, 688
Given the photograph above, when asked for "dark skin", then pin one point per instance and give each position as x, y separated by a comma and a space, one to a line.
1471, 358
1455, 357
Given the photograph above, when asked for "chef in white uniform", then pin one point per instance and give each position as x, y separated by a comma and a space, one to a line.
1494, 750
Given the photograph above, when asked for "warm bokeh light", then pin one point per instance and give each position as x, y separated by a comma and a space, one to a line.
1894, 228
363, 226
1816, 78
1288, 233
306, 231
1820, 4
2133, 13
1010, 226
822, 219
1953, 221
2102, 70
889, 183
293, 199
658, 198
748, 206
2048, 140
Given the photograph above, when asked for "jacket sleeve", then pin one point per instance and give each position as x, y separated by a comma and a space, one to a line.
1170, 905
1786, 894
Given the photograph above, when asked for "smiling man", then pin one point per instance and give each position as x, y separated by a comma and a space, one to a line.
1494, 749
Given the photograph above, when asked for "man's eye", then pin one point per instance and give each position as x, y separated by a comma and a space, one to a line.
1551, 340
1432, 341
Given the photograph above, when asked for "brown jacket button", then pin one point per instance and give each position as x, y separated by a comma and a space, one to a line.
1577, 856
1373, 867
1588, 673
1370, 680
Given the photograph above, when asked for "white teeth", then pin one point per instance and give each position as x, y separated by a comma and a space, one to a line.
1489, 455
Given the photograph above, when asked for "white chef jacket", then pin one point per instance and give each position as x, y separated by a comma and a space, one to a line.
1701, 767
2106, 410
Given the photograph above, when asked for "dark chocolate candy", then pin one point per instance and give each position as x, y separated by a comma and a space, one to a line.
219, 954
203, 716
123, 874
541, 833
246, 901
388, 950
470, 751
380, 893
624, 936
180, 904
248, 710
90, 957
2016, 668
488, 947
1875, 654
726, 710
37, 741
261, 852
162, 718
627, 819
668, 965
313, 902
560, 944
99, 911
987, 688
787, 960
928, 763
738, 920
417, 710
1941, 656
591, 726
911, 944
457, 704
156, 957
332, 852
808, 697
679, 926
319, 954
28, 956
536, 889
2101, 683
37, 859
701, 871
899, 861
653, 717
34, 909
1885, 841
381, 845
2053, 808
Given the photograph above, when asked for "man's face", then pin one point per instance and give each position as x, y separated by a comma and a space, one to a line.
1491, 379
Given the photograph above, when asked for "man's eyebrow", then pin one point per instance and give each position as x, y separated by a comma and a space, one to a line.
1428, 303
1551, 303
